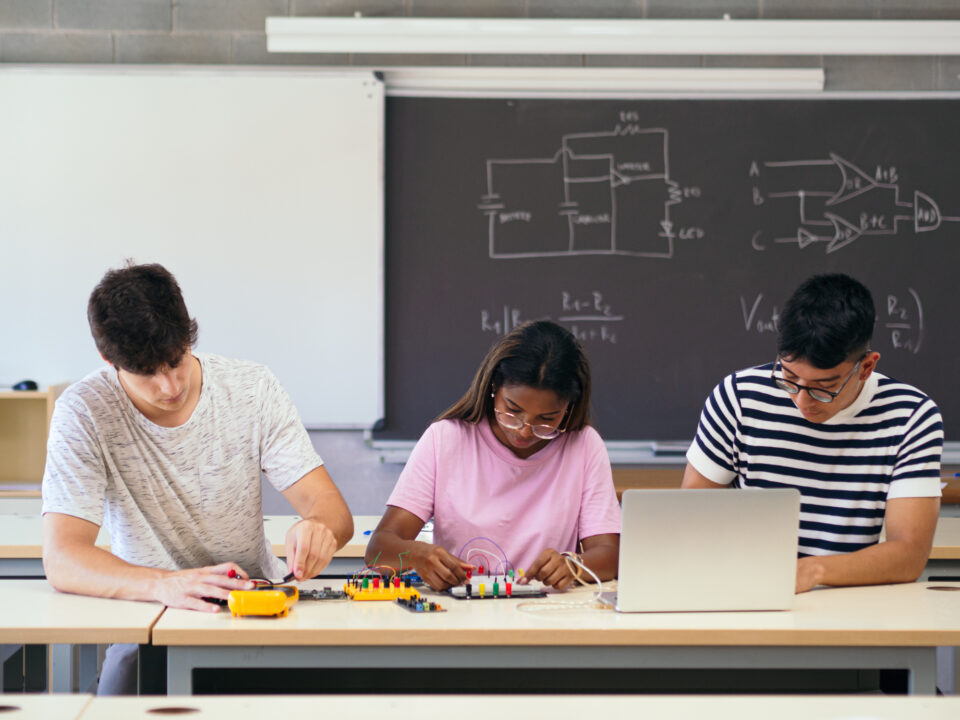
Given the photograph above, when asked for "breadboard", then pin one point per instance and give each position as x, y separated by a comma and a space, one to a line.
356, 591
324, 593
495, 587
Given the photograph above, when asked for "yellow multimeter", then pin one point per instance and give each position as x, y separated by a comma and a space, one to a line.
270, 600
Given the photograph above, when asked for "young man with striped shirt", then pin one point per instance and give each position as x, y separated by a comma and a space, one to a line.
862, 448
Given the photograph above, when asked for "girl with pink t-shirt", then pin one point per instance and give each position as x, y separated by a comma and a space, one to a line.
512, 474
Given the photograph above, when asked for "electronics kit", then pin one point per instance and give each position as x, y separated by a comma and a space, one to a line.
373, 583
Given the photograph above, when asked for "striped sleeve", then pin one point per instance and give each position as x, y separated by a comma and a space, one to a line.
917, 469
712, 451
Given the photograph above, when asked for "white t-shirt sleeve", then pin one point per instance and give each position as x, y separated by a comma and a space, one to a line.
712, 451
917, 472
286, 453
75, 477
415, 490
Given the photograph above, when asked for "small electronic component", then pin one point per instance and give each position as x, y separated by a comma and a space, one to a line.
420, 605
273, 600
372, 589
325, 593
495, 587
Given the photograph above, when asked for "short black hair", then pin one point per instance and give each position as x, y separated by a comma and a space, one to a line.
139, 320
826, 320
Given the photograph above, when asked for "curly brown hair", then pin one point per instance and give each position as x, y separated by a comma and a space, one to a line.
139, 320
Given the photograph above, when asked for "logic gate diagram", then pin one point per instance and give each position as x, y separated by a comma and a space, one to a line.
601, 193
838, 203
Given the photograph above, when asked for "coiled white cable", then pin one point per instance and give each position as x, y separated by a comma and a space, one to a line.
595, 603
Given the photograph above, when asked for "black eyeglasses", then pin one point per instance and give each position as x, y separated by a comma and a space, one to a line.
512, 422
818, 394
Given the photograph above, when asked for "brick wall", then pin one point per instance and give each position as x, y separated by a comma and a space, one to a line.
228, 32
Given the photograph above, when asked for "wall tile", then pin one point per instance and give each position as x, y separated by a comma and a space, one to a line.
703, 9
886, 9
56, 47
525, 60
226, 15
763, 61
643, 61
880, 73
919, 9
113, 14
251, 49
372, 8
200, 48
427, 60
948, 76
475, 8
26, 14
592, 9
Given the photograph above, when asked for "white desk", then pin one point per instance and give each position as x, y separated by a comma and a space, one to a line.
21, 549
33, 613
21, 538
347, 559
43, 707
897, 626
21, 556
21, 545
945, 554
530, 707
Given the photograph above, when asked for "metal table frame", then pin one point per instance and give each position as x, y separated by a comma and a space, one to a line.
919, 661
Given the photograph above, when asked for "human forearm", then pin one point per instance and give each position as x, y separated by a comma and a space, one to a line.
337, 519
909, 524
434, 564
886, 562
388, 548
316, 499
603, 560
89, 570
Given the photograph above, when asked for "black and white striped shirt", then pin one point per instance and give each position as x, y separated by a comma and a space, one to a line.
885, 445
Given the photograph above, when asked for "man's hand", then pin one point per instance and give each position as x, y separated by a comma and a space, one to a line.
310, 548
187, 588
438, 568
810, 573
550, 568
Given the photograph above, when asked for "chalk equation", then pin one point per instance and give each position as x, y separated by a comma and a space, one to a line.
904, 321
589, 317
899, 319
602, 193
838, 203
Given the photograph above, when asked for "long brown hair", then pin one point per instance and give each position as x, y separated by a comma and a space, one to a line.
539, 354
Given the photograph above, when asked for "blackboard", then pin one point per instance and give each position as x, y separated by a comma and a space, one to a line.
666, 234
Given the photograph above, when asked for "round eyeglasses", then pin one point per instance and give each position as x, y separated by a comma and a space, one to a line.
512, 422
818, 394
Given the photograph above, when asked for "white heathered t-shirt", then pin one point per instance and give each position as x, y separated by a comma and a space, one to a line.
186, 496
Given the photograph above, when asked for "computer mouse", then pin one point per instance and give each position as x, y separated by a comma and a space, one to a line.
25, 385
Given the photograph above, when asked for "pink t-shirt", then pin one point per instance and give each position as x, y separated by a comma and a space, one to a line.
473, 486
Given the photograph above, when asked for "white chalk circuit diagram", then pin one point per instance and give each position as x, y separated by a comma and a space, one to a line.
837, 203
602, 193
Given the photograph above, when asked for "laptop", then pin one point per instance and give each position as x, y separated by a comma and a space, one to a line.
708, 550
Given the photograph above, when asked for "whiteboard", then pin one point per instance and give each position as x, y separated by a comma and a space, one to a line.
261, 191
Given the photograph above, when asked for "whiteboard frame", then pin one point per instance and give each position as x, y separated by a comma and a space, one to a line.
372, 398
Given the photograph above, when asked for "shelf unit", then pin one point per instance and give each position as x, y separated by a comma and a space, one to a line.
24, 425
